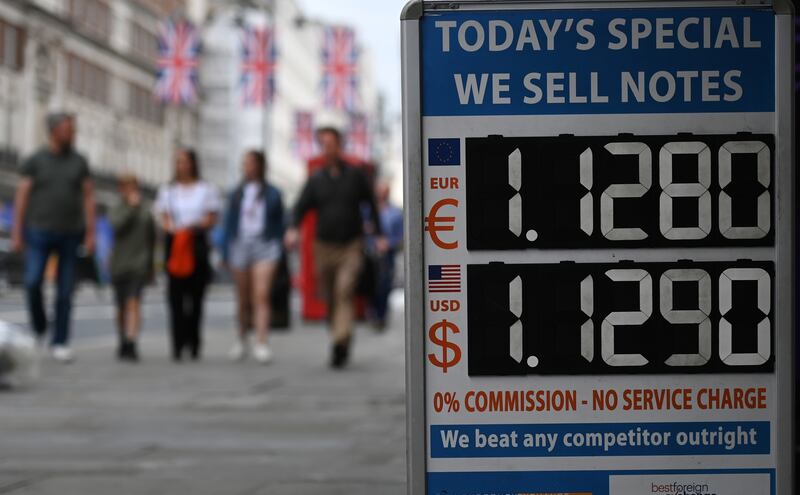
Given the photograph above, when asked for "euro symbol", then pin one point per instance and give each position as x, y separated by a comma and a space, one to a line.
446, 361
434, 223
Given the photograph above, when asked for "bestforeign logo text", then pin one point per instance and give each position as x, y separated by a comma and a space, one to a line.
676, 488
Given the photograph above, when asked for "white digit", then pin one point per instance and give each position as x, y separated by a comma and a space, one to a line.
627, 317
587, 328
515, 331
586, 205
764, 349
515, 203
763, 220
697, 190
699, 317
615, 191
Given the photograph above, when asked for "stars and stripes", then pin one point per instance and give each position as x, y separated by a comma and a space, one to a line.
444, 278
340, 68
178, 47
357, 139
259, 56
303, 141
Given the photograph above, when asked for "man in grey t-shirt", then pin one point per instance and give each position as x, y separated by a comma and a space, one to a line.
54, 212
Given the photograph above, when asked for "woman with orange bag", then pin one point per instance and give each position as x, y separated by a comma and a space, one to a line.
187, 208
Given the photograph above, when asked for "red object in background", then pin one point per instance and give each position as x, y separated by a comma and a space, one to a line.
313, 305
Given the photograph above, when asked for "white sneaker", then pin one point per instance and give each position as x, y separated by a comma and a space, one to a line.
262, 353
63, 354
238, 351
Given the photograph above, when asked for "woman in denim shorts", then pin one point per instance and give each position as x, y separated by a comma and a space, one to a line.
252, 248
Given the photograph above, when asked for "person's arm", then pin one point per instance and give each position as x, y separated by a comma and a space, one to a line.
21, 198
367, 196
305, 202
89, 212
213, 205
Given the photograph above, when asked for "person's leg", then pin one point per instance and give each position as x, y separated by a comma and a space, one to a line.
347, 272
242, 279
67, 248
119, 300
133, 311
263, 274
37, 250
176, 309
384, 288
194, 317
325, 260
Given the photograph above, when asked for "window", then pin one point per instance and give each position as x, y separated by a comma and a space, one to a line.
87, 80
144, 44
91, 16
143, 105
12, 46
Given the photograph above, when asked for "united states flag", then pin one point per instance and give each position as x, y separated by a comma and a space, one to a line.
444, 278
340, 68
259, 55
303, 142
357, 140
178, 47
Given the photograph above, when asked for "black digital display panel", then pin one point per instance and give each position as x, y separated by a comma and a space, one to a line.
620, 191
620, 318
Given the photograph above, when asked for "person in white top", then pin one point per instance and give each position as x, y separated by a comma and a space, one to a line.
187, 209
252, 248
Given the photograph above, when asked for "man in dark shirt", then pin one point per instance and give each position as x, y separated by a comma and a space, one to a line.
54, 212
337, 193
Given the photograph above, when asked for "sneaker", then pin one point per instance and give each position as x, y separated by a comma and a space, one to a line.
238, 351
63, 354
262, 353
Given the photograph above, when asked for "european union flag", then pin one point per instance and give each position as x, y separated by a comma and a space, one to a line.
445, 152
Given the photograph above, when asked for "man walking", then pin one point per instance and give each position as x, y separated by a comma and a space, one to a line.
337, 192
54, 212
392, 227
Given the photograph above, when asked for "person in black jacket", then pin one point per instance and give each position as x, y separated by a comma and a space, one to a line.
337, 192
253, 229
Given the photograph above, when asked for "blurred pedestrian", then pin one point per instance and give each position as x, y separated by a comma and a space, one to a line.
391, 220
187, 209
337, 192
131, 262
54, 212
253, 232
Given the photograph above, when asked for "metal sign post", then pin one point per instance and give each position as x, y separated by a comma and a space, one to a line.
600, 253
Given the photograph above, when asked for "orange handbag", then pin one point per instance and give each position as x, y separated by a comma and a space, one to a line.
181, 261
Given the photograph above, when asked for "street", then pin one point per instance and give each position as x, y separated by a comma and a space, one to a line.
213, 427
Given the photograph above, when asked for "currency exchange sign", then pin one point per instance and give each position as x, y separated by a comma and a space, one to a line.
600, 247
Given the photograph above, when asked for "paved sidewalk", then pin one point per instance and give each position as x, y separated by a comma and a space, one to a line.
214, 427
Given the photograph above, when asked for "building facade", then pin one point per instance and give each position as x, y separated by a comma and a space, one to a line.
228, 127
95, 58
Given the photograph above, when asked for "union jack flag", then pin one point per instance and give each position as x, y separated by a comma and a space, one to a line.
304, 135
178, 47
357, 140
340, 68
259, 56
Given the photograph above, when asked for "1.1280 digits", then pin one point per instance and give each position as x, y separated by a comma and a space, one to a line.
620, 191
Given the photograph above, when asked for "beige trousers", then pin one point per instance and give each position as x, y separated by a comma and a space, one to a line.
338, 270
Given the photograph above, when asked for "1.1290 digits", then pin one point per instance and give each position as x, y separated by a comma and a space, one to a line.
619, 191
604, 318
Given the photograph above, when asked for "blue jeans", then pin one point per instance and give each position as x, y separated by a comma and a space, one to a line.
39, 245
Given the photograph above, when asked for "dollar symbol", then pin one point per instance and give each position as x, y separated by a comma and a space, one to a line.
447, 361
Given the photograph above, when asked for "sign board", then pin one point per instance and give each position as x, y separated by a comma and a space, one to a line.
599, 200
